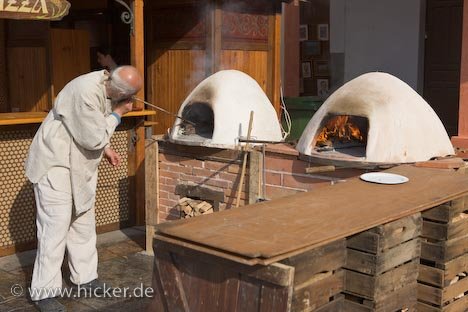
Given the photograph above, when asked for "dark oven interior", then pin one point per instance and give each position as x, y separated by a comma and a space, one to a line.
202, 122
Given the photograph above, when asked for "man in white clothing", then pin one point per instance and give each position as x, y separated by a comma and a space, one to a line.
62, 164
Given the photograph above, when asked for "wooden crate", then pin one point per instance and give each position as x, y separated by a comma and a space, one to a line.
382, 266
189, 280
399, 300
318, 277
443, 285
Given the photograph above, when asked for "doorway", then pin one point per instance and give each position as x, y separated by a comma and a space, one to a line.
444, 21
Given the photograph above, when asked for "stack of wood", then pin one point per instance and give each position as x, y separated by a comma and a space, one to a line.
189, 207
443, 282
382, 267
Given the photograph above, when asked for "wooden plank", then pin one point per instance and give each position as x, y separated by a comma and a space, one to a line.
376, 264
253, 63
152, 181
455, 266
444, 251
445, 212
274, 299
335, 305
25, 118
207, 283
456, 306
272, 231
277, 273
431, 275
29, 89
69, 56
448, 163
137, 44
326, 258
377, 287
277, 59
169, 278
446, 231
403, 298
317, 293
440, 296
249, 295
254, 176
168, 84
385, 236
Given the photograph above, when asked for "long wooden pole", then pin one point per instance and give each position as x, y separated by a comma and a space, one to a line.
244, 162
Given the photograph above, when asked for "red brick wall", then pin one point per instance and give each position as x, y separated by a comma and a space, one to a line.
285, 174
217, 175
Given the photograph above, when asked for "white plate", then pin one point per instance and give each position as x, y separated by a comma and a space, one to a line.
384, 178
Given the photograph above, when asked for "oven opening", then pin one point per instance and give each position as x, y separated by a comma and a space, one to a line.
342, 134
202, 117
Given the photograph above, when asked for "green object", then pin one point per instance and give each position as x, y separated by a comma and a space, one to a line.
301, 110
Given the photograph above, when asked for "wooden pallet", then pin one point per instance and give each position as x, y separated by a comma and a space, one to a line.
318, 277
444, 258
381, 265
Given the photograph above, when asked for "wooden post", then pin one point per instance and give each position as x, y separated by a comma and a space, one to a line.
213, 55
137, 59
462, 139
151, 191
291, 52
255, 164
274, 57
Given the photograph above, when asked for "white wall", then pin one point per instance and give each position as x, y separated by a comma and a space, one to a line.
379, 35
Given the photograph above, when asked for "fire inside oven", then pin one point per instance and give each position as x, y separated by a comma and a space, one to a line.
343, 134
202, 122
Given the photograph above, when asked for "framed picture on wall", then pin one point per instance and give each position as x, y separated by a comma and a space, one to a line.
303, 32
322, 32
322, 88
321, 68
306, 70
311, 48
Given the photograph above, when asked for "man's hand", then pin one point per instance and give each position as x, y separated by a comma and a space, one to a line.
112, 157
123, 107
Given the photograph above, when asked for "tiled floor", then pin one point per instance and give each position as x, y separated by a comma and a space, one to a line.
122, 263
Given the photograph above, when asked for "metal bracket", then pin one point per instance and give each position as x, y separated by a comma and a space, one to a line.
127, 16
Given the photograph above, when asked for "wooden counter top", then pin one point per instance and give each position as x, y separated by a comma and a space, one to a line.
270, 231
25, 118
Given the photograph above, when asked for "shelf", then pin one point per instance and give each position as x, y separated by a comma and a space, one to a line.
24, 118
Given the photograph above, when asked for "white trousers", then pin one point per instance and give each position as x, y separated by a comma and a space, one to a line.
57, 229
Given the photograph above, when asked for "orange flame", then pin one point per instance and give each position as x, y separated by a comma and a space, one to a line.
340, 128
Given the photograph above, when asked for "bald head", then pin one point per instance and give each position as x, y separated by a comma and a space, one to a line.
124, 82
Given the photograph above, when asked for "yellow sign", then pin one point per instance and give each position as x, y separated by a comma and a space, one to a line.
34, 9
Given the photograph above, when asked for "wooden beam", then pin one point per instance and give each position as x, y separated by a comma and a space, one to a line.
137, 49
214, 41
137, 45
462, 139
151, 190
277, 61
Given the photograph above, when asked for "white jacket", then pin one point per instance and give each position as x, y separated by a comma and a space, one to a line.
74, 135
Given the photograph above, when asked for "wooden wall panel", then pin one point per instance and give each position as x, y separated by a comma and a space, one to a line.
4, 106
253, 63
69, 56
172, 76
27, 79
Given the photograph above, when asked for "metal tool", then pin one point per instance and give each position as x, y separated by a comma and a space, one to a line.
164, 111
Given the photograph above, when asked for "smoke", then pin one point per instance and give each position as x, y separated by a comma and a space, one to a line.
203, 61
